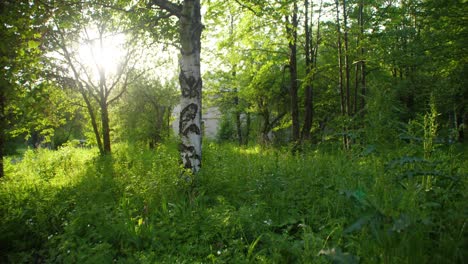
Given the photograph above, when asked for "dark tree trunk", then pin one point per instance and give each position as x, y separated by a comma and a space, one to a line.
238, 120
292, 34
346, 59
356, 85
2, 128
93, 122
237, 111
357, 76
363, 60
247, 129
105, 128
340, 74
269, 125
363, 84
2, 171
266, 127
84, 89
340, 60
347, 72
359, 79
236, 94
308, 103
161, 123
461, 124
168, 121
2, 112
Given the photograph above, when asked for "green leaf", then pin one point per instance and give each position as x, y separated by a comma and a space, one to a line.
32, 44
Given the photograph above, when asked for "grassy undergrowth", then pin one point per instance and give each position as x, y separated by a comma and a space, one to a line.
247, 205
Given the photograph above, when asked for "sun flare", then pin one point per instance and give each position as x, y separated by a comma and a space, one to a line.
101, 51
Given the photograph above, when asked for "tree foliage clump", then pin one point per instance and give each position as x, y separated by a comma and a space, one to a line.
364, 68
145, 113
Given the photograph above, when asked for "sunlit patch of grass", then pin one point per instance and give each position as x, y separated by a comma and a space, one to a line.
252, 150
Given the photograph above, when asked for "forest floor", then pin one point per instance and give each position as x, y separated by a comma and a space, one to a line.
247, 205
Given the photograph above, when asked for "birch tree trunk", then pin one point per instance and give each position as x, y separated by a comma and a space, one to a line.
190, 85
190, 29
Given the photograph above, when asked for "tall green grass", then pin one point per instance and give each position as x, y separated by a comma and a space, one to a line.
247, 205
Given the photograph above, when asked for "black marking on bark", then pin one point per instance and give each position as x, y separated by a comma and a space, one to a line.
190, 86
187, 163
183, 148
192, 128
189, 112
188, 153
186, 115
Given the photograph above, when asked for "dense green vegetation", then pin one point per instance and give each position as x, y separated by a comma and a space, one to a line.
341, 131
247, 205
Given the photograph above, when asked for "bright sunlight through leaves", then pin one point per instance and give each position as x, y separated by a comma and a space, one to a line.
101, 52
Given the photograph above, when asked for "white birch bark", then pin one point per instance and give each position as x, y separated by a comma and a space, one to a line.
191, 85
190, 28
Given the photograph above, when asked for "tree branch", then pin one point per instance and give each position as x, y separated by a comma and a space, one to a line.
276, 120
251, 9
124, 88
124, 68
173, 9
